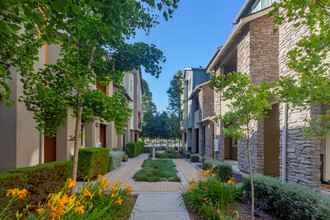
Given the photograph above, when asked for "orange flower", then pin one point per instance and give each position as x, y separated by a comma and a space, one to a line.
80, 209
99, 176
71, 183
119, 201
201, 170
128, 187
12, 192
212, 174
87, 193
213, 166
40, 210
205, 198
115, 188
54, 215
22, 194
230, 181
100, 193
112, 195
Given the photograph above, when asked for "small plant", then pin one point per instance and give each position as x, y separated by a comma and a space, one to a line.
194, 158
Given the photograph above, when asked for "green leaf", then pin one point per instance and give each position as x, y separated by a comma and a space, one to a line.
76, 9
59, 6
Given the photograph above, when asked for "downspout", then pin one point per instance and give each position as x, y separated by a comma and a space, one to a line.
284, 130
41, 148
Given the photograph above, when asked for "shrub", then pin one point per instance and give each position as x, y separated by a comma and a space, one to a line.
134, 148
223, 170
194, 158
125, 157
115, 159
39, 180
186, 153
212, 197
288, 200
92, 161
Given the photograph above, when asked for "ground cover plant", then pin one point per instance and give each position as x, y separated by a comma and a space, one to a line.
157, 171
168, 154
211, 197
95, 200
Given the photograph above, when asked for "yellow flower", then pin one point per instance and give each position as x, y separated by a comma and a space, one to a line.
230, 181
201, 170
72, 183
119, 201
12, 192
80, 209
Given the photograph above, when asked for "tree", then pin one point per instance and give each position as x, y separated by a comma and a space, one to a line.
25, 25
174, 97
248, 103
310, 85
87, 42
149, 111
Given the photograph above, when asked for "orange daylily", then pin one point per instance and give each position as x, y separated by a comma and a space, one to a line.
119, 201
87, 193
71, 183
80, 209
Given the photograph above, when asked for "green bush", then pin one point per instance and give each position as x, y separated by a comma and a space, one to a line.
223, 170
194, 158
287, 200
134, 148
39, 181
186, 154
115, 159
92, 161
125, 157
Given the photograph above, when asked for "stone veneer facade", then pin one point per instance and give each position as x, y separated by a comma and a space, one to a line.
257, 54
303, 155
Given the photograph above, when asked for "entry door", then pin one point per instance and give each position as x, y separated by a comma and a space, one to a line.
103, 135
271, 142
49, 149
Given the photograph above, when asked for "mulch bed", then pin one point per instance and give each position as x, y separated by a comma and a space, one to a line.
244, 213
325, 186
130, 209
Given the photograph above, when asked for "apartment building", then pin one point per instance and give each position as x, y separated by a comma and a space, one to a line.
192, 77
21, 144
277, 144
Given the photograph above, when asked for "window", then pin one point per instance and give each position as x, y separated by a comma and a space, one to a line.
262, 4
131, 85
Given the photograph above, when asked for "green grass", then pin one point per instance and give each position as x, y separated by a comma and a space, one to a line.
157, 171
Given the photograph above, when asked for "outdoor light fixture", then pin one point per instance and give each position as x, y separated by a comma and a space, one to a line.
96, 124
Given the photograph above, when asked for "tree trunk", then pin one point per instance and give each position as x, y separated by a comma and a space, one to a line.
76, 144
250, 172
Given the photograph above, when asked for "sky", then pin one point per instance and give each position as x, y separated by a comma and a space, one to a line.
189, 39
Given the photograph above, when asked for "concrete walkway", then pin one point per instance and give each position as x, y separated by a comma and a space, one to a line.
160, 206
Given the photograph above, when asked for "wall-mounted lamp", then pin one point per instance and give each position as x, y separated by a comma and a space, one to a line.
96, 124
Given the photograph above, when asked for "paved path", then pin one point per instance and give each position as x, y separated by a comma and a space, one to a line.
161, 200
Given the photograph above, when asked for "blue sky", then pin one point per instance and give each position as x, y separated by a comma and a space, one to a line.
189, 39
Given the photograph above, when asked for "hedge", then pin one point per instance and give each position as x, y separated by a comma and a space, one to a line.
194, 158
186, 154
39, 181
223, 170
91, 162
134, 148
287, 200
115, 159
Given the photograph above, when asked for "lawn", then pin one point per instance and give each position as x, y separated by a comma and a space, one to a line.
157, 171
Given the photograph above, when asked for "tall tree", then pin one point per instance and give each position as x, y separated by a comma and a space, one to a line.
174, 97
87, 41
149, 110
310, 85
248, 103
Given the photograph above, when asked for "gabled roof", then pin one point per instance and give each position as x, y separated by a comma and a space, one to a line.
245, 10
